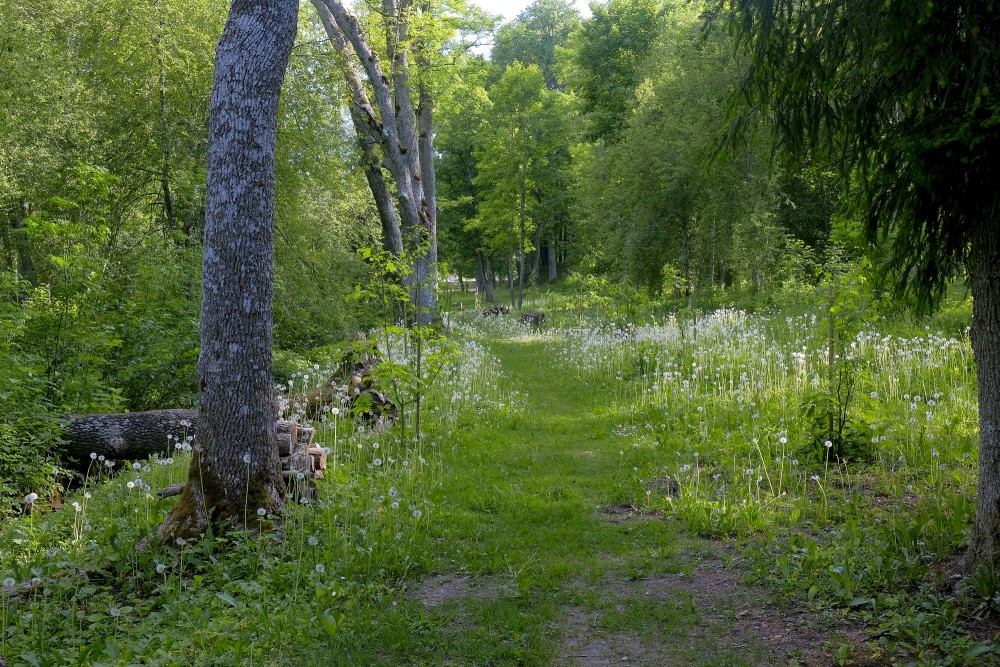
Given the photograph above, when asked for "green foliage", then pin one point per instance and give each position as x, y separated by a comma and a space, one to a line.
902, 97
604, 59
533, 38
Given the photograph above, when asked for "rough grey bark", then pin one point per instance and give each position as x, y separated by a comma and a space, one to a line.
134, 435
236, 469
138, 435
553, 268
985, 255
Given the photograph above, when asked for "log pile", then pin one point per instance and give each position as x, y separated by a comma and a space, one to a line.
354, 371
496, 310
532, 317
301, 461
139, 435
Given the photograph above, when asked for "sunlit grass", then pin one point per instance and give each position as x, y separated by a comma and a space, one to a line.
700, 418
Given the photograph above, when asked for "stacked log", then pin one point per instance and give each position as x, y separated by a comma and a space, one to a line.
532, 317
139, 435
301, 461
496, 310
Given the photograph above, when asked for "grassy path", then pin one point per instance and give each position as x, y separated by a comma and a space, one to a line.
541, 563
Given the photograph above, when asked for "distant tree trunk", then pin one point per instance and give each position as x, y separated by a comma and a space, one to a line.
484, 285
488, 277
536, 254
553, 269
985, 255
236, 468
521, 225
168, 201
425, 142
687, 263
510, 276
25, 266
711, 269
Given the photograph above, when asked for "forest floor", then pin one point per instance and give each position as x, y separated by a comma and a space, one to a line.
554, 512
544, 564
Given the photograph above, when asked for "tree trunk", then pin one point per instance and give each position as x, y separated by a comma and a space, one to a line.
480, 274
425, 141
236, 469
396, 128
22, 249
711, 269
488, 278
553, 269
521, 225
687, 263
510, 276
536, 254
985, 255
363, 118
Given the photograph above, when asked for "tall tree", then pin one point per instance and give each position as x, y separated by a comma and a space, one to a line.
236, 469
519, 159
903, 95
388, 123
533, 37
605, 58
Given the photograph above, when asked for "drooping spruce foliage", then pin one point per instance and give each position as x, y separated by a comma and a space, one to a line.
902, 97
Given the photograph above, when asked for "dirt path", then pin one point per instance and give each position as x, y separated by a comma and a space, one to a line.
543, 551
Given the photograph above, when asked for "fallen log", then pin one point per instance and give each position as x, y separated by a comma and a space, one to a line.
139, 435
132, 435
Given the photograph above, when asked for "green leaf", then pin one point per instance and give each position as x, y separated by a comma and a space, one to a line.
226, 597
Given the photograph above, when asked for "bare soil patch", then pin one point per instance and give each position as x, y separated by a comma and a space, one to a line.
735, 620
439, 589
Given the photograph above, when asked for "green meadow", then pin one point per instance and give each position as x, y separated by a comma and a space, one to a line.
659, 487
